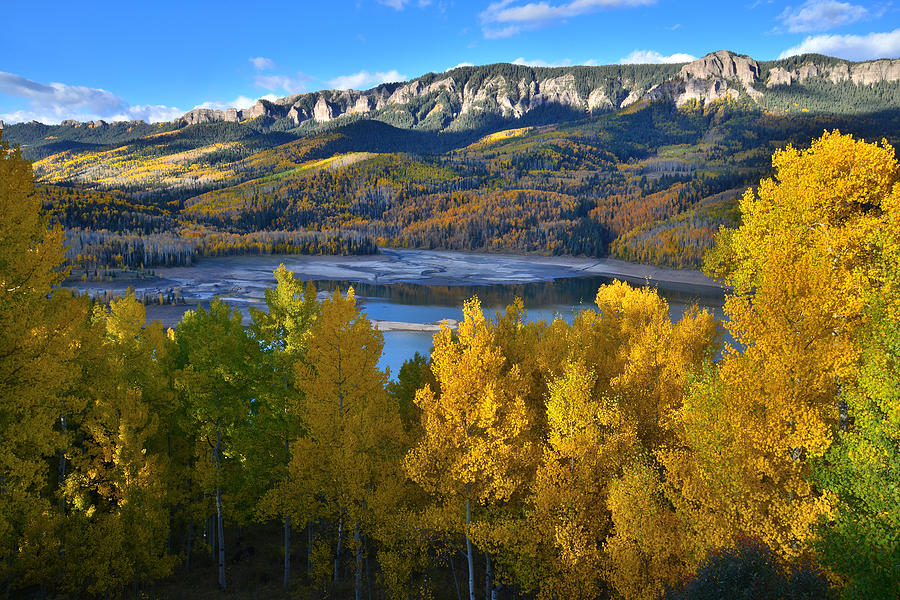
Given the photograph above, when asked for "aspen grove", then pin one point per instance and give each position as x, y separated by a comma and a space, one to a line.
620, 456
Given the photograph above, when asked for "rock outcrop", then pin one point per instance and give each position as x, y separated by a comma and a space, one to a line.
864, 73
722, 65
436, 102
598, 100
323, 111
203, 115
718, 70
875, 71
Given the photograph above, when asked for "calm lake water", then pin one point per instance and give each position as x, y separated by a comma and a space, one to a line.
544, 301
416, 287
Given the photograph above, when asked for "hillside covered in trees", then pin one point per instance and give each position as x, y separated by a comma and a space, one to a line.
620, 456
651, 183
638, 162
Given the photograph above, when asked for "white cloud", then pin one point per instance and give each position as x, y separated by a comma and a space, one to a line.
59, 96
506, 17
850, 47
541, 63
648, 57
821, 15
152, 113
401, 4
25, 116
261, 63
241, 102
291, 85
55, 102
462, 64
365, 80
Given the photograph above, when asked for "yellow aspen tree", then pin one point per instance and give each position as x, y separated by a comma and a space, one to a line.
861, 539
521, 342
36, 347
699, 480
644, 384
115, 489
503, 531
798, 265
475, 440
639, 363
218, 360
282, 331
352, 429
645, 554
588, 442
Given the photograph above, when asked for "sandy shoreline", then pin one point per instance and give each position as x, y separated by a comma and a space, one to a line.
427, 267
170, 315
242, 280
434, 326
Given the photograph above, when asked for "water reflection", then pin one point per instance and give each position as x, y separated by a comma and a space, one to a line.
544, 301
566, 295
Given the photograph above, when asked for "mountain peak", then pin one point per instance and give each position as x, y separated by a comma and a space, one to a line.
724, 64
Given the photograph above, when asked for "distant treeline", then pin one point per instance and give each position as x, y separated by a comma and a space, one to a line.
103, 249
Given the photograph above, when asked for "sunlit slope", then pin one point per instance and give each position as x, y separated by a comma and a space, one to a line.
124, 167
182, 160
249, 195
342, 190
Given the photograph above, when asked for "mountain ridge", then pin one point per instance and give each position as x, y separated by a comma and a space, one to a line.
640, 162
462, 97
707, 79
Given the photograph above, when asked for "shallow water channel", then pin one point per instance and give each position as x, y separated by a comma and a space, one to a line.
407, 293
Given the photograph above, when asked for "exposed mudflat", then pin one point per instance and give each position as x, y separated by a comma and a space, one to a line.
425, 267
408, 293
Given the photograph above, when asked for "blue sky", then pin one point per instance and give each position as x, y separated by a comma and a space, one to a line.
156, 60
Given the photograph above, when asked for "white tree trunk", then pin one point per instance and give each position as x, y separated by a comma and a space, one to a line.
469, 551
337, 554
287, 528
488, 576
220, 526
357, 578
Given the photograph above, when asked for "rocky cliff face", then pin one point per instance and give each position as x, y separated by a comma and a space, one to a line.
722, 65
438, 102
865, 73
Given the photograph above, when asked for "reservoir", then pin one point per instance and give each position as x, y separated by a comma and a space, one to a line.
407, 293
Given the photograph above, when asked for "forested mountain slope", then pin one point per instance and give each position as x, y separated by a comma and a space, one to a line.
643, 162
